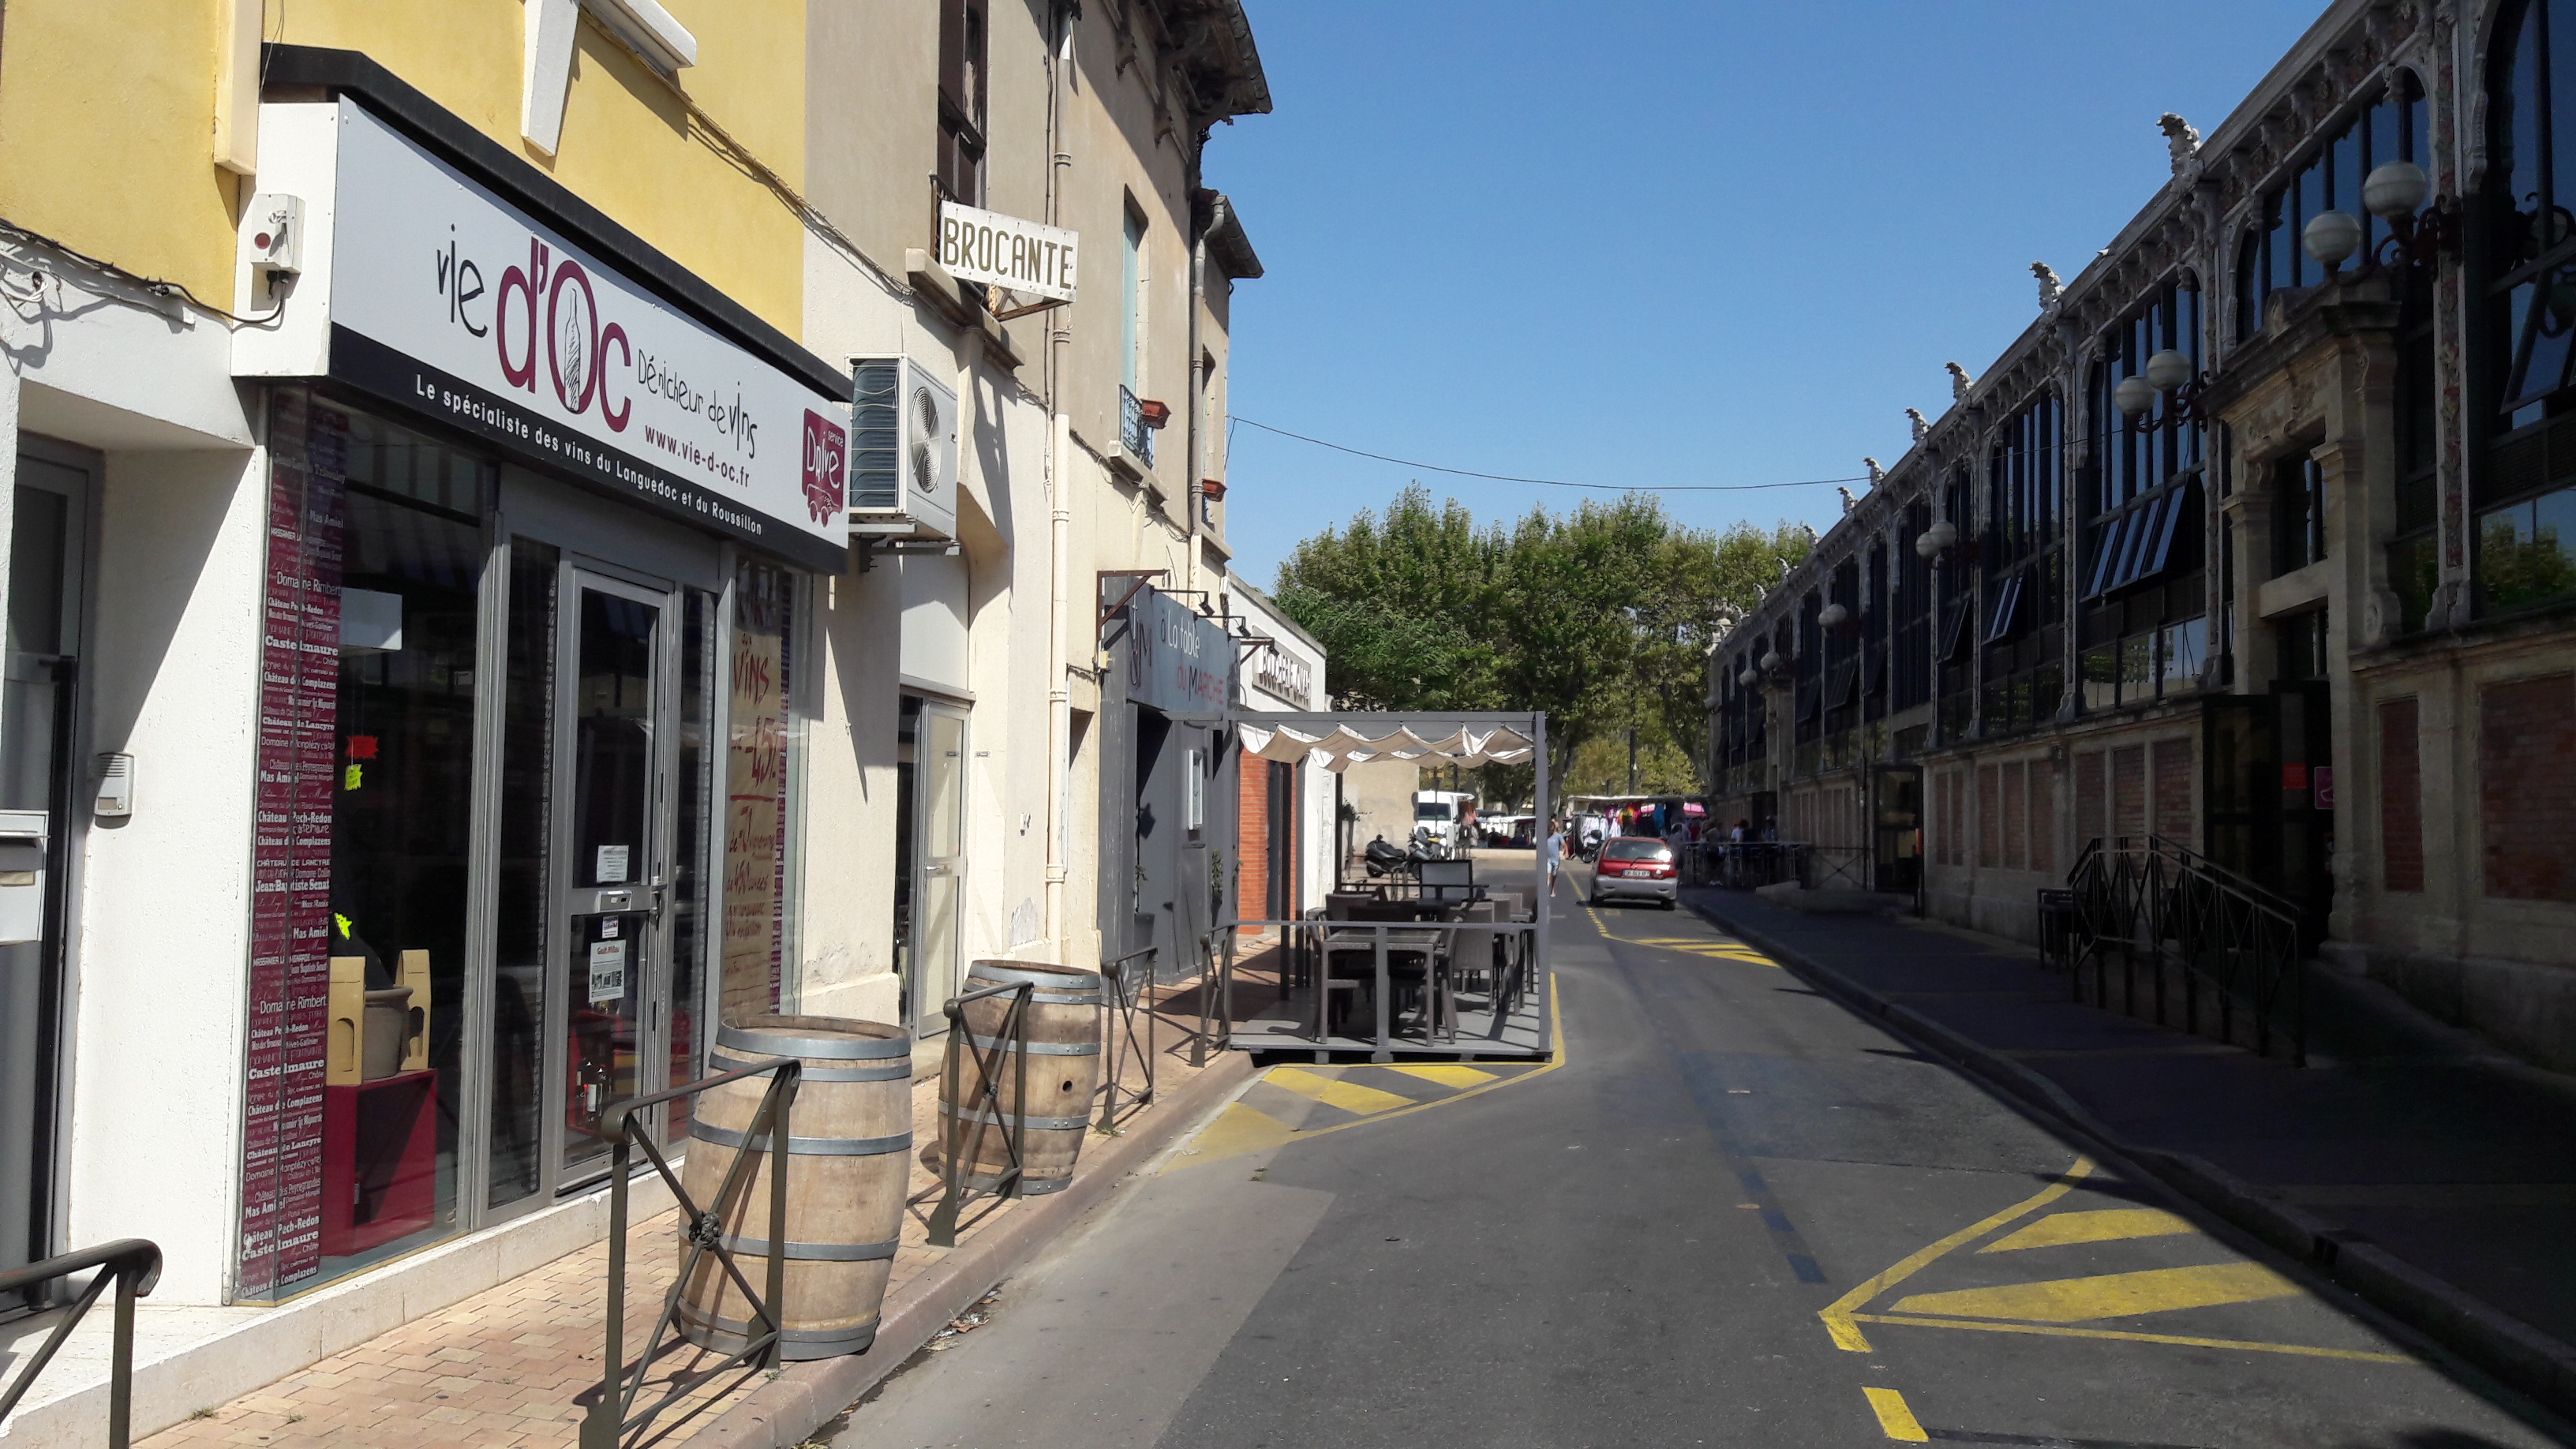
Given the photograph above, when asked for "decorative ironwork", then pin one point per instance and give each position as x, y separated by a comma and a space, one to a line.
1133, 434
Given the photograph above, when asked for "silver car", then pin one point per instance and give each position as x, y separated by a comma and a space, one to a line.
1636, 866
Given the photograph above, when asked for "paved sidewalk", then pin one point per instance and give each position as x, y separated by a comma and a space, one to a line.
518, 1366
2406, 1152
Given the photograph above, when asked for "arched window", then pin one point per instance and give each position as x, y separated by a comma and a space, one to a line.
2525, 495
2269, 257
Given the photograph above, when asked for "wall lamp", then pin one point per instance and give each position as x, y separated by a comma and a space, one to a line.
1835, 619
2417, 234
1942, 544
2166, 372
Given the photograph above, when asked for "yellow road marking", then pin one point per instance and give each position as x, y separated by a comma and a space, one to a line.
1237, 1130
2110, 1295
1349, 1096
1839, 1316
1240, 1135
2052, 1331
1448, 1076
2101, 1226
1895, 1418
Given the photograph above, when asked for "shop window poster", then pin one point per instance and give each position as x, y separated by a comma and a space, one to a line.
756, 769
298, 771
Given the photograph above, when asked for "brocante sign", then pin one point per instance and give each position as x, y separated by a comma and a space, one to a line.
976, 245
454, 303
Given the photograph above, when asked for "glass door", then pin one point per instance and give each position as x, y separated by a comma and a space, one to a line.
939, 862
38, 774
615, 747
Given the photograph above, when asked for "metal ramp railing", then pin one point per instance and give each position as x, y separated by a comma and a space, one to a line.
2182, 920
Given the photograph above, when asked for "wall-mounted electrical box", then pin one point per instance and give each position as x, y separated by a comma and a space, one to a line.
22, 876
272, 234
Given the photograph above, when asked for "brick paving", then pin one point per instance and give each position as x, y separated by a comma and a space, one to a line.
518, 1366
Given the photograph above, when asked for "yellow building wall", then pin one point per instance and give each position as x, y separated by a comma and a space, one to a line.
629, 147
107, 135
107, 125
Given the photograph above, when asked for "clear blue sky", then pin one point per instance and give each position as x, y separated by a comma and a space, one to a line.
1649, 242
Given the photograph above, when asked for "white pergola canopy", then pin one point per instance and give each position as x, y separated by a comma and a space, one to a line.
1356, 740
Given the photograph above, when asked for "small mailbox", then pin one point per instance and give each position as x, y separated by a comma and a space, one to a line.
22, 876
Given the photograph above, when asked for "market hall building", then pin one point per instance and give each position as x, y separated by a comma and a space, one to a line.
2271, 558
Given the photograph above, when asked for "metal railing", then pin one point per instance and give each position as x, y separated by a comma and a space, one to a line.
1525, 975
1132, 432
1747, 864
956, 1116
628, 1127
2154, 902
1127, 989
1837, 867
133, 1265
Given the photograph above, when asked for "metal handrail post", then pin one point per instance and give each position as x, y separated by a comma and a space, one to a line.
774, 1306
952, 1130
1018, 1131
1207, 988
605, 1424
1385, 1051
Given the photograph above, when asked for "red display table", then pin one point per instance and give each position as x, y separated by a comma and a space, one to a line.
379, 1160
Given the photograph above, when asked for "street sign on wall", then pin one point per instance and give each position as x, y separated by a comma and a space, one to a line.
976, 245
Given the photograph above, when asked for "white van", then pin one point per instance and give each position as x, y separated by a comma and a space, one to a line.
1438, 815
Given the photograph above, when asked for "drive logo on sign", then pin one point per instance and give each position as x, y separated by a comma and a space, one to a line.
827, 456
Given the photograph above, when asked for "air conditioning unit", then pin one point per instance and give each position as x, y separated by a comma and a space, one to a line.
903, 451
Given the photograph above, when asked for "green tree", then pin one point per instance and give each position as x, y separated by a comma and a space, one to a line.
1399, 603
1602, 617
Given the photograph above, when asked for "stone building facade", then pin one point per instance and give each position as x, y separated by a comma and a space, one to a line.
2271, 558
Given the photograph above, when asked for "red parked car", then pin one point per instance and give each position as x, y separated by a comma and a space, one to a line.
1637, 866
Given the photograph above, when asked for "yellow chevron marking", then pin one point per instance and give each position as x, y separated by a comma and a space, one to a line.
1447, 1076
1715, 950
2100, 1226
1895, 1418
1349, 1096
2116, 1336
1237, 1130
2109, 1295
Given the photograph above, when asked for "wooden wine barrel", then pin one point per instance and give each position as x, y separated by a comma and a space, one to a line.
849, 1162
1063, 1071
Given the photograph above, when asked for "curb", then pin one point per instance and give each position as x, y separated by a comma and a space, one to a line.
2512, 1351
782, 1412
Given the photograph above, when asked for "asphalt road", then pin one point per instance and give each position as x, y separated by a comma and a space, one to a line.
1733, 1213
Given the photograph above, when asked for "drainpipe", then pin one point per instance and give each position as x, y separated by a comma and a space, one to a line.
1198, 381
1060, 518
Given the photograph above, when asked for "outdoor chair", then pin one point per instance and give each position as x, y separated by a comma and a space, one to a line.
1357, 961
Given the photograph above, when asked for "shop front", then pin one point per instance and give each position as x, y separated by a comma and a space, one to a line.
1167, 779
543, 513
